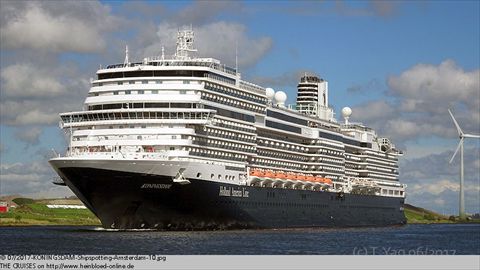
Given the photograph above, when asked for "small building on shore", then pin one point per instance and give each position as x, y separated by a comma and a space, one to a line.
3, 207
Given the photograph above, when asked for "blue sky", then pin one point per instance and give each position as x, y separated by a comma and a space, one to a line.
399, 65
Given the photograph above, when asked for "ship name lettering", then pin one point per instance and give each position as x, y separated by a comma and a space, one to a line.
230, 192
156, 186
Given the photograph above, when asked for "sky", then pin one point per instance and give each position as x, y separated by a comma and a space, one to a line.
398, 64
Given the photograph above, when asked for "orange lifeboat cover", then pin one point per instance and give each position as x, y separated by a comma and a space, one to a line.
269, 173
291, 176
300, 177
280, 174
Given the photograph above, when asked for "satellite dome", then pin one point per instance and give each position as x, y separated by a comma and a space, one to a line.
346, 112
280, 98
270, 93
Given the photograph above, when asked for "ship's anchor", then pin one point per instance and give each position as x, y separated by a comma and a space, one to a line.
179, 178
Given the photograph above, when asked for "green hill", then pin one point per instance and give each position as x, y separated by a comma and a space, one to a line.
36, 212
417, 215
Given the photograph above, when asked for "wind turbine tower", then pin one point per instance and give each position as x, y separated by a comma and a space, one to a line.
462, 136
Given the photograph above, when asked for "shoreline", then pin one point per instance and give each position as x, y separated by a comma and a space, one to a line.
29, 212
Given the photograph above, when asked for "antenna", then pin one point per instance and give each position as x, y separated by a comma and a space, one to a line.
462, 136
236, 56
126, 62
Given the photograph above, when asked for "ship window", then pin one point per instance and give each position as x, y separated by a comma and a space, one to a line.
141, 91
183, 92
159, 82
172, 148
120, 83
131, 82
144, 82
127, 92
186, 82
199, 175
154, 91
219, 177
212, 175
115, 93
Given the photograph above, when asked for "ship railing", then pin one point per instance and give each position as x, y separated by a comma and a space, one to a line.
132, 114
220, 78
118, 154
252, 87
197, 62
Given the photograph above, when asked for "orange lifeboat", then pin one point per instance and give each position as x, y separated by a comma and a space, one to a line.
257, 172
300, 177
291, 176
328, 181
281, 175
310, 178
318, 179
269, 174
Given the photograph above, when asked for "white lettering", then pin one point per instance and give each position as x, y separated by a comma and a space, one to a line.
156, 186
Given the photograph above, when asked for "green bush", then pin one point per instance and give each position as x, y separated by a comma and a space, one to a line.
23, 201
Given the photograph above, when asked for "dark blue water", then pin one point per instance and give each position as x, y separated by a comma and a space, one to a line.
411, 239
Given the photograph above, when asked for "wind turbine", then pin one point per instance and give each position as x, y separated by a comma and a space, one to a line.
462, 136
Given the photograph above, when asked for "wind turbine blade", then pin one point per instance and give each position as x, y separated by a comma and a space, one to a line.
456, 151
460, 132
471, 136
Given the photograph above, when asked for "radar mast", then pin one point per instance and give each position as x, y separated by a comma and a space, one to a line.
185, 38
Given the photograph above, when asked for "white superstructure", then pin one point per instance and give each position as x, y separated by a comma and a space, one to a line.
196, 118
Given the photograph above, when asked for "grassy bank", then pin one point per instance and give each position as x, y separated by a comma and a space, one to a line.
37, 213
417, 215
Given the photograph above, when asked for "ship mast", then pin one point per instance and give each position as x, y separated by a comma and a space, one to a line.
185, 40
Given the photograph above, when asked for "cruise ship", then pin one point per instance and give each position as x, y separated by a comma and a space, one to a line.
183, 143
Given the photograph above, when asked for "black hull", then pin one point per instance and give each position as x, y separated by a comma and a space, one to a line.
125, 200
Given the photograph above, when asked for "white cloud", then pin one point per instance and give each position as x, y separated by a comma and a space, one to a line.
56, 26
435, 188
421, 96
33, 95
32, 179
439, 201
29, 135
201, 12
431, 180
26, 80
424, 87
217, 40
